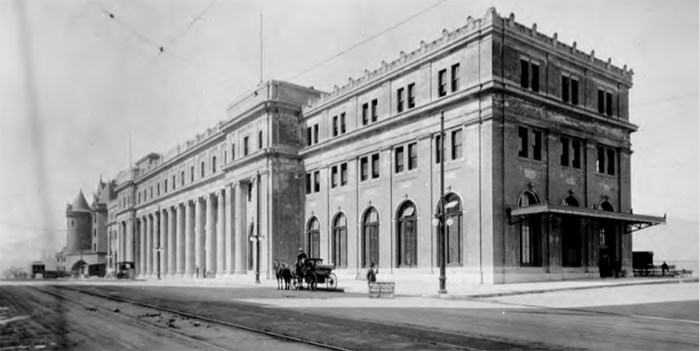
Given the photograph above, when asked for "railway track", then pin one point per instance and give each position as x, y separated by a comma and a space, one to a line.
184, 314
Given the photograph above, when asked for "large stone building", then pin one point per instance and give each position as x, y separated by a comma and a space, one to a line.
536, 158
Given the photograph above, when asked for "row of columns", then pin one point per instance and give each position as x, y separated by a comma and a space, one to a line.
197, 238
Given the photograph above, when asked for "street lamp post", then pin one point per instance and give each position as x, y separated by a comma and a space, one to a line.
441, 208
257, 229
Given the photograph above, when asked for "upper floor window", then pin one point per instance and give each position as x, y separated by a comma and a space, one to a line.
334, 176
398, 159
529, 75
374, 110
343, 174
442, 82
527, 145
201, 170
412, 156
569, 89
165, 186
308, 183
245, 146
365, 114
317, 181
316, 133
456, 144
182, 178
375, 166
174, 183
412, 95
399, 100
260, 140
455, 77
605, 102
213, 164
339, 171
233, 151
570, 152
335, 125
606, 160
342, 123
191, 174
364, 169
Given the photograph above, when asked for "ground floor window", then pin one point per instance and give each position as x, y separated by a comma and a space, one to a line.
406, 238
370, 238
340, 241
314, 238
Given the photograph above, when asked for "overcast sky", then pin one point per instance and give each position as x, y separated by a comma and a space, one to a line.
96, 79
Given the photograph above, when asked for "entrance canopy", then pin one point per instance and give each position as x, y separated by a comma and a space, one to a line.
636, 221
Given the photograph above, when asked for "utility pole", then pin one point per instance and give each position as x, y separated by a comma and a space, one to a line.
441, 214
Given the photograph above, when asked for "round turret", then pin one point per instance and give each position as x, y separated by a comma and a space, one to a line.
78, 225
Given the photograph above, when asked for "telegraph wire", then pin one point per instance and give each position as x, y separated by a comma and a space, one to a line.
343, 52
189, 25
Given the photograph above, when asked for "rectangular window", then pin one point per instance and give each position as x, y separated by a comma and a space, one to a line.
600, 163
399, 100
158, 189
344, 174
565, 88
316, 133
412, 156
225, 156
191, 174
365, 114
608, 104
335, 125
601, 101
574, 91
374, 110
260, 140
165, 187
363, 169
233, 152
334, 176
398, 159
564, 151
213, 164
522, 134
412, 95
456, 144
309, 136
537, 146
535, 77
201, 170
576, 162
174, 182
455, 77
375, 166
308, 183
342, 123
442, 83
611, 161
438, 148
182, 178
245, 146
524, 74
317, 181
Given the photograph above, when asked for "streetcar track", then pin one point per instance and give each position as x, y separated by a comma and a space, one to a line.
126, 317
210, 320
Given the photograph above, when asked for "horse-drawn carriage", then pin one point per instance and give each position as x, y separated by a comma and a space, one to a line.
314, 272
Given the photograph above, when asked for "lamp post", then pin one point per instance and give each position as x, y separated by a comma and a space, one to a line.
257, 228
441, 209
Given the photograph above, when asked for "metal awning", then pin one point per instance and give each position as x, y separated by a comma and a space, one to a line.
636, 221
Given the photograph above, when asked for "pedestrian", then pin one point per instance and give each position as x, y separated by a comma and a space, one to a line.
372, 274
664, 268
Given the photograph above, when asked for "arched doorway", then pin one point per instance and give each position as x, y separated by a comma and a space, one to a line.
406, 238
370, 237
79, 268
530, 238
571, 236
340, 241
314, 237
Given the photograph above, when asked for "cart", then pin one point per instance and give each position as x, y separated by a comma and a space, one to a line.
313, 273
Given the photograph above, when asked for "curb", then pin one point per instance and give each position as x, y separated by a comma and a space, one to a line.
541, 291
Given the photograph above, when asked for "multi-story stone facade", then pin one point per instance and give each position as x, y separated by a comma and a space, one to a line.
536, 168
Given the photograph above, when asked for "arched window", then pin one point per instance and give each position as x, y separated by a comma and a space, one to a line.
607, 206
530, 238
370, 237
406, 242
570, 201
314, 238
340, 241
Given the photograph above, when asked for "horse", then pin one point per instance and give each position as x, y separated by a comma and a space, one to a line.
283, 274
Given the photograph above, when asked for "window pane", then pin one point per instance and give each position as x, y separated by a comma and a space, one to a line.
524, 74
456, 144
442, 84
564, 151
412, 156
537, 146
455, 77
565, 88
375, 166
574, 91
535, 78
398, 159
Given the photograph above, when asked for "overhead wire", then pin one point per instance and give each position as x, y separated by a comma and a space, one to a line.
364, 41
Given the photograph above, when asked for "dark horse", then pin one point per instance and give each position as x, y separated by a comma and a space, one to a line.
283, 273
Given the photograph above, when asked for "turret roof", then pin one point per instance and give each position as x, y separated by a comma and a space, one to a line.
79, 203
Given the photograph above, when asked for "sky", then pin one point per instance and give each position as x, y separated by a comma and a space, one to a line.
76, 86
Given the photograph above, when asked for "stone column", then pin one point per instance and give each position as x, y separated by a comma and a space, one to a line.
180, 256
229, 247
198, 236
220, 243
209, 245
241, 237
142, 247
189, 238
172, 230
120, 243
127, 254
147, 251
163, 246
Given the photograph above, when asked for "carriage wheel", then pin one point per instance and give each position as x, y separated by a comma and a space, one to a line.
311, 281
332, 281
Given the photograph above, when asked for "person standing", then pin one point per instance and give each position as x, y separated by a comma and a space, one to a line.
372, 274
